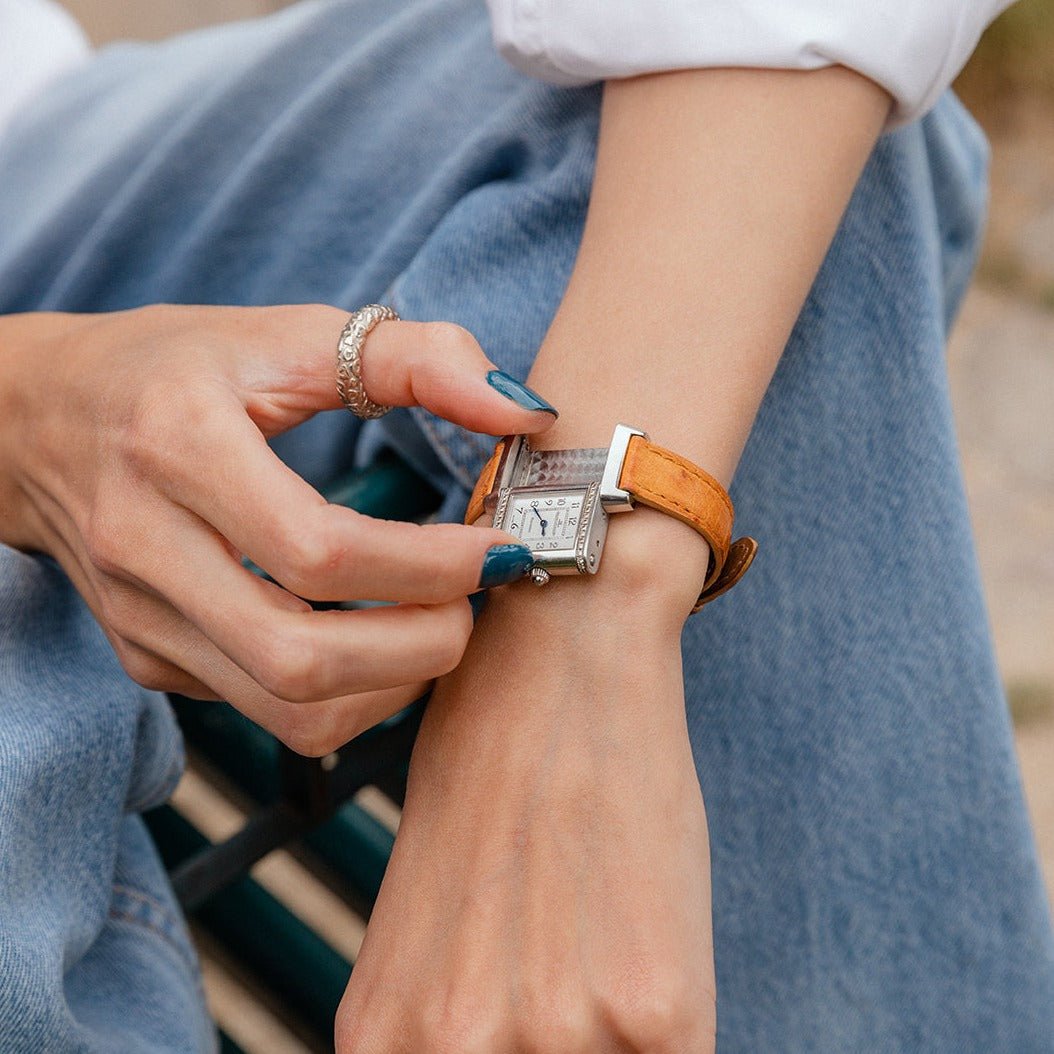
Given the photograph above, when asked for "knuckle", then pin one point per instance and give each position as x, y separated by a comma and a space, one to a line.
309, 556
102, 544
655, 1020
452, 1027
317, 730
298, 732
563, 1032
146, 670
121, 611
446, 340
287, 666
154, 438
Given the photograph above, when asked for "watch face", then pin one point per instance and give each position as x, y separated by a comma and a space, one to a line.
545, 521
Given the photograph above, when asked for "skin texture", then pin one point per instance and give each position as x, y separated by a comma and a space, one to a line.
550, 884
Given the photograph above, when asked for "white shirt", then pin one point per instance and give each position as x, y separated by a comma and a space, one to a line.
912, 48
38, 41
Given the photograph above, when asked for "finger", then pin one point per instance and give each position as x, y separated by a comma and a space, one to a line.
308, 728
437, 365
312, 729
291, 651
135, 651
150, 670
322, 551
141, 662
440, 366
160, 650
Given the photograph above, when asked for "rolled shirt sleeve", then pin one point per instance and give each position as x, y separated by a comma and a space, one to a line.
912, 48
39, 40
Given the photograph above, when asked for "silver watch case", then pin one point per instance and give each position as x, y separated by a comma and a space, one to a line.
553, 477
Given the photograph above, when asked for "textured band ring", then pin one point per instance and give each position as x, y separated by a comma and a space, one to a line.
349, 360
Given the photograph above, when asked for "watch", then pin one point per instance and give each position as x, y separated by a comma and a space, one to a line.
558, 503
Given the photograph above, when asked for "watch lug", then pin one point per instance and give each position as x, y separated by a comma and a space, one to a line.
516, 450
612, 496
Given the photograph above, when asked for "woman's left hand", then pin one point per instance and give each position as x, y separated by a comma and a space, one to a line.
550, 887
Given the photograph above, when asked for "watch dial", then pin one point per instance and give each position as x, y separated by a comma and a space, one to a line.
545, 521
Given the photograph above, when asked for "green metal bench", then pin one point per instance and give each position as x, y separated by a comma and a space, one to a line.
300, 804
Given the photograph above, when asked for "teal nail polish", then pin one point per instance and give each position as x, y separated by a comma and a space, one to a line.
520, 394
505, 563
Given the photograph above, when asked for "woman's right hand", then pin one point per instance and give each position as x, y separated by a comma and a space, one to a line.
133, 450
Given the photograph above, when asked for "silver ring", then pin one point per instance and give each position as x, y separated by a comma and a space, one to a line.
349, 360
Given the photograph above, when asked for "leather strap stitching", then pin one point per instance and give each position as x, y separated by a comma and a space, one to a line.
705, 478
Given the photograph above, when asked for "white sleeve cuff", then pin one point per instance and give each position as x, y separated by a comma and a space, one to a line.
39, 40
912, 48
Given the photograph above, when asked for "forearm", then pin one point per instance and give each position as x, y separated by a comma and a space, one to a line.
716, 196
23, 361
553, 846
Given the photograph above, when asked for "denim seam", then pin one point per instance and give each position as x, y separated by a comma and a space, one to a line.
166, 926
161, 789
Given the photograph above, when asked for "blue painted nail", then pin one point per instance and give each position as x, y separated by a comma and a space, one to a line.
520, 394
504, 564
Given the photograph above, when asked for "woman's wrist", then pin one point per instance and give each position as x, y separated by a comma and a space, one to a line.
650, 577
23, 354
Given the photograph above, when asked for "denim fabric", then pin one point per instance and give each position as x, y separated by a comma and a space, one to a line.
875, 882
94, 953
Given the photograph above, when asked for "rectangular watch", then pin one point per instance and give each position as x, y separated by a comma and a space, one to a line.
557, 503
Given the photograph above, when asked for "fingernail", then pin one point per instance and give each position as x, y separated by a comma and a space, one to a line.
504, 564
520, 394
478, 601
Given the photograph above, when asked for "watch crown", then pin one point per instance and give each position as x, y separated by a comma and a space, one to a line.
539, 576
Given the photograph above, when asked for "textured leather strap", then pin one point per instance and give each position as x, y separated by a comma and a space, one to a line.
741, 555
484, 485
668, 482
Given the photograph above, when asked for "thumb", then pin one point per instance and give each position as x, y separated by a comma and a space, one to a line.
440, 366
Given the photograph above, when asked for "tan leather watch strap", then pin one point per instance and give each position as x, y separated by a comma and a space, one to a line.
668, 482
484, 485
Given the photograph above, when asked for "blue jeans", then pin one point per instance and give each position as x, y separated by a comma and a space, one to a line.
875, 881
